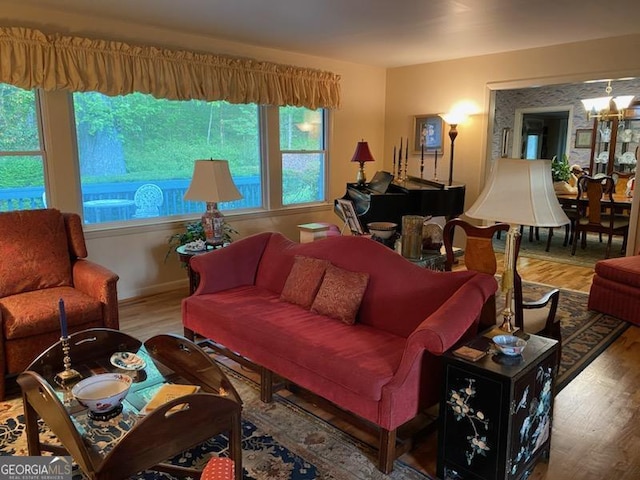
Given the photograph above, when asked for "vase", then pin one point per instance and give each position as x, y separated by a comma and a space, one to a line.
563, 188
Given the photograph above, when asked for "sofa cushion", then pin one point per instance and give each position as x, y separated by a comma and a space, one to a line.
296, 343
304, 281
34, 313
625, 270
340, 294
36, 243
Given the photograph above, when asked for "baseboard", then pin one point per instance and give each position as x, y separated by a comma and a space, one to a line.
127, 294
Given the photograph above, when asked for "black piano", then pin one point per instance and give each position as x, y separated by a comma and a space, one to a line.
381, 200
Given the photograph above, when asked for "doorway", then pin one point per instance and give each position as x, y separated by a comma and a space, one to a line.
542, 132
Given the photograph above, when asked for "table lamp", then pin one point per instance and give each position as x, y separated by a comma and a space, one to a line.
212, 183
519, 192
361, 155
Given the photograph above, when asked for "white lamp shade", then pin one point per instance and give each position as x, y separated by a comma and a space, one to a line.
520, 192
212, 182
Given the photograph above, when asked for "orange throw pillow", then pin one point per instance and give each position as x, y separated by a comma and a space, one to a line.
304, 280
340, 294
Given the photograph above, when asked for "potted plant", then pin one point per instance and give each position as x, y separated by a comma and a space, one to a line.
561, 173
194, 231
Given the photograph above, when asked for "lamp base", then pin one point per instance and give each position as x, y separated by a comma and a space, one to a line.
213, 224
361, 177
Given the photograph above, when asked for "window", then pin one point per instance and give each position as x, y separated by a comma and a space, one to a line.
21, 152
302, 145
137, 153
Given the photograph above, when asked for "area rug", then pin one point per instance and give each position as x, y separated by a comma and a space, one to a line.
280, 442
587, 257
585, 334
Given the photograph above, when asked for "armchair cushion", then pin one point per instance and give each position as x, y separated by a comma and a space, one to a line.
37, 240
36, 312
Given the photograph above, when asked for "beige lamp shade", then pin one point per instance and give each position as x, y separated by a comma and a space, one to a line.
520, 192
212, 182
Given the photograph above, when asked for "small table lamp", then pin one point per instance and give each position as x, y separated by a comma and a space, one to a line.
212, 183
519, 192
361, 155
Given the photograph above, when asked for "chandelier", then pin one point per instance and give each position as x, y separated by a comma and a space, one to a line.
608, 107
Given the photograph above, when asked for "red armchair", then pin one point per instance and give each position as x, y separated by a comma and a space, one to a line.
42, 259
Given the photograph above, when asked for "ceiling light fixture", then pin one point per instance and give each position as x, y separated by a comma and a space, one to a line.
608, 107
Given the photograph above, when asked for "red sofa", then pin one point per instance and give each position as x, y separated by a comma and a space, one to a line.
384, 367
616, 288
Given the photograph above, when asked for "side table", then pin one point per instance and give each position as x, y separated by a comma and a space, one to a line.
496, 413
435, 260
185, 256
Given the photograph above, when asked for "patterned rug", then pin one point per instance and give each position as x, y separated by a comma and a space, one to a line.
586, 257
585, 334
283, 441
280, 442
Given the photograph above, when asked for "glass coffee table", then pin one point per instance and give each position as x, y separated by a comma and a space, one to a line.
120, 443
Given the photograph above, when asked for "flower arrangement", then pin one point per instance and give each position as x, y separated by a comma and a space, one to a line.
560, 169
194, 231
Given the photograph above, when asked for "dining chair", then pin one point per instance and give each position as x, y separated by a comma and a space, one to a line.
205, 413
148, 199
599, 215
538, 316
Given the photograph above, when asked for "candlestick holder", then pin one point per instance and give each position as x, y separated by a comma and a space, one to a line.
68, 374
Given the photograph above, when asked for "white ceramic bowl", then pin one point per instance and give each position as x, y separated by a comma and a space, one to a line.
383, 230
509, 344
102, 393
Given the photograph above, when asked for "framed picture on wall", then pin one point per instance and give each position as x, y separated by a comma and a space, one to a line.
583, 138
428, 130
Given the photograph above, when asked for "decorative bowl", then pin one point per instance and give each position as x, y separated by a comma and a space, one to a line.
127, 361
383, 230
509, 344
102, 393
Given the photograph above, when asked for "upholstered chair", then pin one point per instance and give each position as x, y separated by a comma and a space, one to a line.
42, 260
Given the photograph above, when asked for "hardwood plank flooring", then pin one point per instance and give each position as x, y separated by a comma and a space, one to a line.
596, 430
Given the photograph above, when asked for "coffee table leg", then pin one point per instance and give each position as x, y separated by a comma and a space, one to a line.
31, 428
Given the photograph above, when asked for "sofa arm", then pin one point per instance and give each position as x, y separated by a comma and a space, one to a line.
229, 267
447, 325
100, 283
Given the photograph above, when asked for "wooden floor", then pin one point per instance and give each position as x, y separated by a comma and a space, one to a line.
596, 430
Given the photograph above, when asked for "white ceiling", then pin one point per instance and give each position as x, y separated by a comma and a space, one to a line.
386, 33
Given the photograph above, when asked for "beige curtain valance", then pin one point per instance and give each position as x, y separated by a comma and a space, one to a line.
30, 58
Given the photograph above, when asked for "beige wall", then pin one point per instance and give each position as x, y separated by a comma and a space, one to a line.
435, 87
377, 106
137, 253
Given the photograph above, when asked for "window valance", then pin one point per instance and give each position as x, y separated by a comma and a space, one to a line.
30, 58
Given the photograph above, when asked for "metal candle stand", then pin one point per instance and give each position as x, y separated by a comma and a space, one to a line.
65, 377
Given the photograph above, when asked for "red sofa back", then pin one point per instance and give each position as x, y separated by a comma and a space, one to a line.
399, 296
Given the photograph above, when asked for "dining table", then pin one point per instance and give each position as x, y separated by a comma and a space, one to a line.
621, 201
